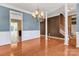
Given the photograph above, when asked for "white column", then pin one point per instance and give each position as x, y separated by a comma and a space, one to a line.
66, 26
46, 41
46, 25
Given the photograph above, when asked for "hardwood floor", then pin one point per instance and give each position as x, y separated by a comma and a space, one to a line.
39, 47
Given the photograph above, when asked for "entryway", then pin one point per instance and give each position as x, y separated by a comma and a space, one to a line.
15, 27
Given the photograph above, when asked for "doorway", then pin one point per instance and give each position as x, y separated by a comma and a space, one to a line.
16, 31
16, 27
72, 30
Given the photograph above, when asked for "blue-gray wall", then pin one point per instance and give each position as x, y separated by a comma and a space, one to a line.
29, 22
77, 18
4, 19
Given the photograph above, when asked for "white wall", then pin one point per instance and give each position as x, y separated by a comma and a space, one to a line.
4, 38
77, 39
27, 35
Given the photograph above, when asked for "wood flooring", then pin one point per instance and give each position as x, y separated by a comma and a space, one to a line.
39, 47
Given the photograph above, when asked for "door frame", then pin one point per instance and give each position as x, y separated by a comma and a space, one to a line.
21, 15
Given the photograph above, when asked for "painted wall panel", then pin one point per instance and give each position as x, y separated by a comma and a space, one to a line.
27, 35
4, 19
5, 38
30, 23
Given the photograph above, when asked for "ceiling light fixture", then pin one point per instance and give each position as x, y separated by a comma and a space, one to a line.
38, 13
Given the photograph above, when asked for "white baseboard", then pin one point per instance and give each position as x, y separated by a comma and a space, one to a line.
54, 37
4, 38
42, 35
27, 35
66, 44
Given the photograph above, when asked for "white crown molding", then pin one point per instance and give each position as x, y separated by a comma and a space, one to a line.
53, 15
12, 7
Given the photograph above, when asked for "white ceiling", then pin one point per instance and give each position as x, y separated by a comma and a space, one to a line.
72, 8
51, 8
32, 6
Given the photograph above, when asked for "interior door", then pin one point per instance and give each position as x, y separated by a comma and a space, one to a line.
14, 32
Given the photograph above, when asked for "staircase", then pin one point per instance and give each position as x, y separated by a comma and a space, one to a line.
61, 30
61, 25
